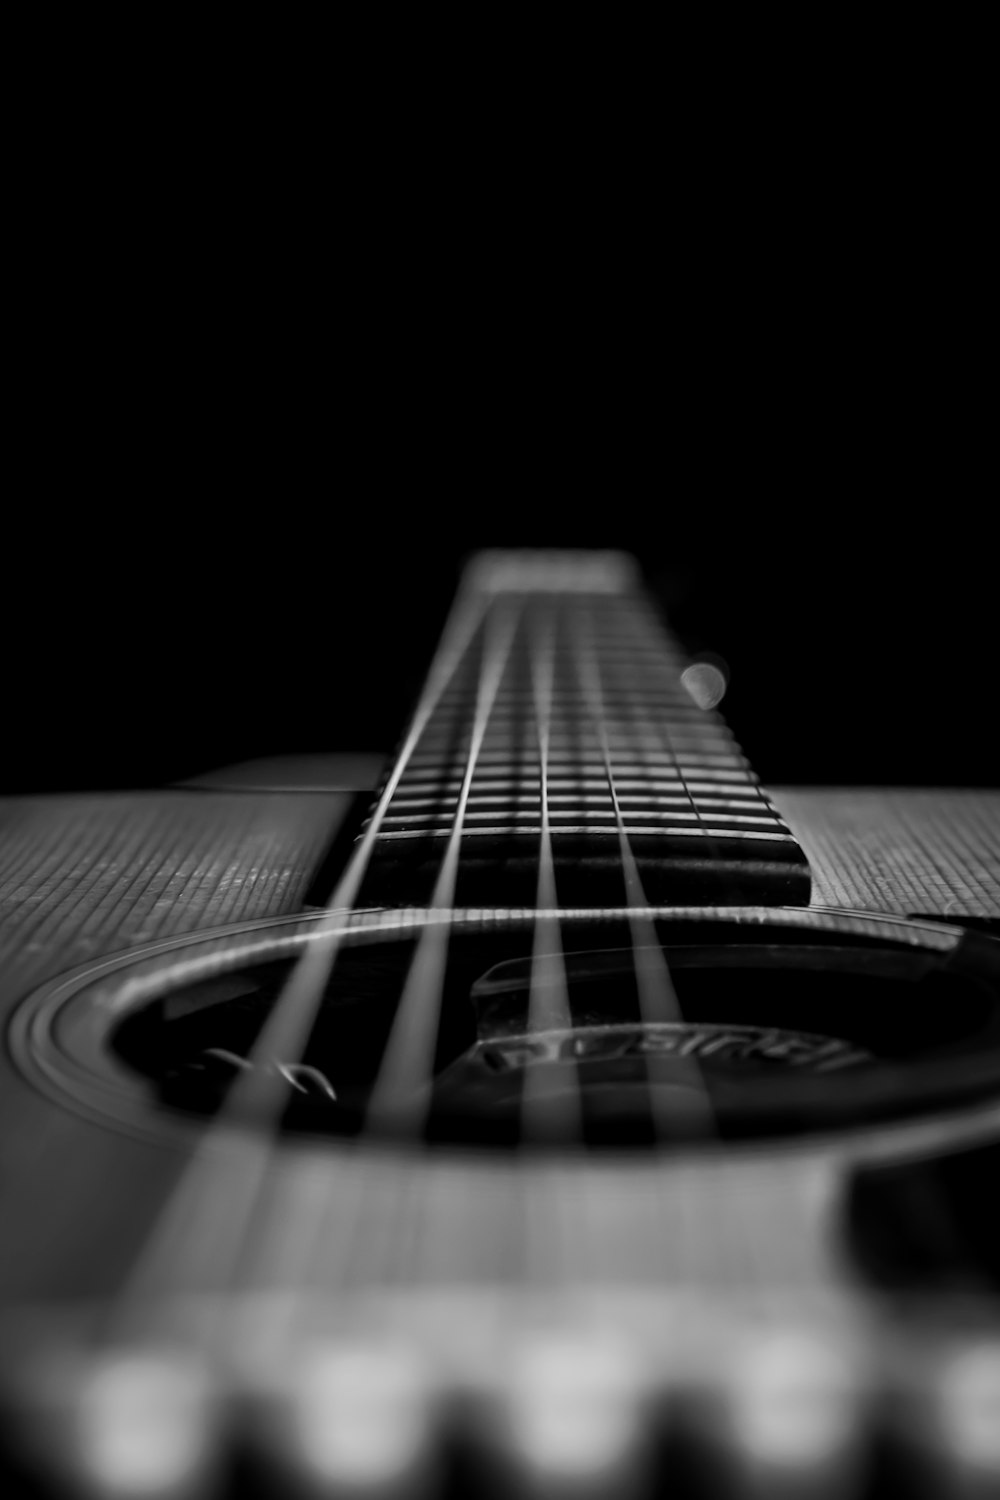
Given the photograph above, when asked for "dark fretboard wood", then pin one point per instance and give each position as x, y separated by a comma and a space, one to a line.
587, 708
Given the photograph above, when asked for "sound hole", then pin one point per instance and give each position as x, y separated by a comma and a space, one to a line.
778, 1037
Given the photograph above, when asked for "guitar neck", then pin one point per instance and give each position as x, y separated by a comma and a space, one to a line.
556, 729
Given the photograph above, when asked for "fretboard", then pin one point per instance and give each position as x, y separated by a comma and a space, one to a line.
555, 714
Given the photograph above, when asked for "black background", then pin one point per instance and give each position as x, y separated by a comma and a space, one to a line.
278, 614
279, 377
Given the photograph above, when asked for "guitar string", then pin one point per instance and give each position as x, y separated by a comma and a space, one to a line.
753, 1263
542, 1115
560, 1245
368, 1220
548, 1108
658, 1001
201, 1231
753, 1255
374, 1237
392, 1210
755, 1248
708, 837
388, 1215
551, 1101
399, 1094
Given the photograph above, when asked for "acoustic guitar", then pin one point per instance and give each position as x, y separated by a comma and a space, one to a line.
557, 1113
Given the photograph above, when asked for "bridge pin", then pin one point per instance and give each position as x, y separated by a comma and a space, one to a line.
948, 1420
363, 1422
574, 1409
141, 1424
792, 1419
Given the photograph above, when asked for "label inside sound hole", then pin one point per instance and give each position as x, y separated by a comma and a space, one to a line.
763, 1048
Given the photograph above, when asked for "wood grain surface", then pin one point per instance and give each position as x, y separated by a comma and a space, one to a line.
81, 876
907, 852
86, 875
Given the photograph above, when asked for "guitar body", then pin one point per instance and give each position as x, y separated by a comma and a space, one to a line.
90, 876
496, 1249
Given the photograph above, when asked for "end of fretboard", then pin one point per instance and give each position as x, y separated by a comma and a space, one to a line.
550, 572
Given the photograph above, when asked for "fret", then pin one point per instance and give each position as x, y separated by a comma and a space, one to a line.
628, 731
714, 789
500, 832
625, 783
568, 751
636, 778
643, 689
593, 796
647, 702
639, 732
558, 801
510, 819
705, 764
622, 735
641, 714
572, 770
532, 799
513, 813
686, 752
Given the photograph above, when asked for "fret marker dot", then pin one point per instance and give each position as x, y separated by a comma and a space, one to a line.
705, 682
